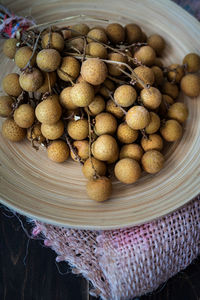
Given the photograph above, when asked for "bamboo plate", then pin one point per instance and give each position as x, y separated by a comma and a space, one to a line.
55, 193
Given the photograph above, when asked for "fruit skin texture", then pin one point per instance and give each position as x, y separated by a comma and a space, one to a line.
178, 111
56, 41
152, 161
112, 68
146, 55
127, 170
54, 131
115, 33
65, 99
190, 85
5, 106
9, 47
158, 73
31, 82
11, 85
82, 29
125, 95
137, 117
12, 131
97, 105
154, 124
99, 189
133, 151
88, 170
133, 33
105, 123
22, 57
94, 71
49, 110
171, 131
175, 76
48, 60
97, 34
154, 142
170, 89
69, 69
82, 148
145, 74
35, 133
151, 97
58, 151
45, 86
105, 147
156, 42
126, 134
24, 116
78, 130
96, 50
192, 60
82, 94
112, 108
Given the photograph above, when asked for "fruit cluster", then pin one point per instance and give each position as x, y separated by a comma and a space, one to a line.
101, 95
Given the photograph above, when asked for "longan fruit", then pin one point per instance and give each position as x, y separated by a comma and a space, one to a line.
133, 151
65, 99
99, 189
76, 44
82, 148
48, 60
31, 81
170, 89
112, 68
94, 71
89, 168
126, 134
146, 55
58, 151
96, 50
153, 142
143, 38
112, 108
97, 105
154, 124
115, 33
190, 85
54, 40
133, 33
105, 147
97, 34
12, 132
152, 161
158, 62
127, 170
23, 55
49, 110
166, 101
137, 117
69, 69
175, 73
5, 106
171, 131
11, 85
34, 133
151, 97
192, 62
78, 130
178, 111
9, 47
108, 85
145, 74
53, 131
82, 94
125, 95
157, 43
105, 123
159, 77
45, 86
24, 115
79, 29
114, 158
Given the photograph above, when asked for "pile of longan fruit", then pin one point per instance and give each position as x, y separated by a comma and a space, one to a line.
99, 95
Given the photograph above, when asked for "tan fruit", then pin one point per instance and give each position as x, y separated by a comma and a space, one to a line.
48, 60
151, 97
127, 170
158, 62
58, 151
146, 55
154, 124
96, 50
175, 73
105, 123
97, 34
94, 71
157, 43
78, 130
126, 134
65, 99
53, 131
115, 33
133, 33
82, 148
23, 55
76, 44
137, 117
158, 73
152, 161
190, 85
113, 68
5, 106
82, 94
133, 151
97, 105
170, 89
114, 158
145, 74
49, 111
12, 132
69, 69
53, 40
171, 131
153, 142
47, 81
112, 108
108, 85
105, 147
192, 62
24, 116
79, 29
11, 85
34, 133
99, 189
31, 81
125, 95
178, 111
165, 103
9, 47
90, 169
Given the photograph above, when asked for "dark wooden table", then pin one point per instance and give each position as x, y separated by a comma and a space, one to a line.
28, 270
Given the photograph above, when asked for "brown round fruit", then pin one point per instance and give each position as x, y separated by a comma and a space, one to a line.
157, 43
107, 87
12, 132
5, 106
24, 116
99, 189
31, 81
105, 123
151, 97
92, 167
133, 151
96, 50
9, 47
145, 55
137, 117
153, 142
159, 77
34, 133
48, 60
105, 147
171, 131
97, 34
11, 85
154, 124
22, 57
97, 105
79, 29
82, 148
94, 71
152, 161
49, 79
53, 40
126, 134
190, 85
53, 131
49, 110
127, 170
115, 33
145, 74
65, 99
175, 73
69, 69
82, 94
125, 95
58, 151
133, 33
178, 111
112, 108
78, 130
192, 62
113, 67
170, 89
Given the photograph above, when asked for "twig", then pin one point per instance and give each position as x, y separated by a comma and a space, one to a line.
28, 65
112, 98
73, 150
124, 47
69, 77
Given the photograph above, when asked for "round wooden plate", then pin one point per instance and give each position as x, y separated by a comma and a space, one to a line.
55, 193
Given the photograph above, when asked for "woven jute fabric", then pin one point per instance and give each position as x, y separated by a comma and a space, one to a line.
129, 262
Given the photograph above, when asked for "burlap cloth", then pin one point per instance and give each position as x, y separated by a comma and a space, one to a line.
125, 263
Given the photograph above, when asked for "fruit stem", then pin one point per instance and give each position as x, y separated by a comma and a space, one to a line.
28, 65
113, 99
73, 150
69, 78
